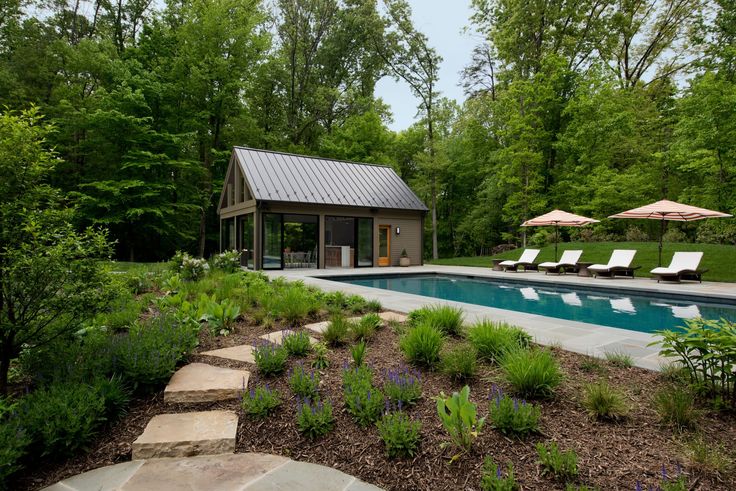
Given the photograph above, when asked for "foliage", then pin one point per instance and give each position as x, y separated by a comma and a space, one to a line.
402, 386
228, 261
460, 362
13, 446
362, 400
260, 401
295, 303
303, 383
337, 330
619, 359
492, 478
355, 304
220, 316
270, 358
532, 373
459, 418
366, 327
190, 268
296, 343
707, 456
373, 306
511, 416
314, 418
707, 349
494, 339
115, 396
320, 356
603, 402
400, 434
446, 319
562, 465
676, 407
357, 351
422, 345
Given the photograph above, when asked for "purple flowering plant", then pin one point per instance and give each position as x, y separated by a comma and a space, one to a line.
510, 415
314, 417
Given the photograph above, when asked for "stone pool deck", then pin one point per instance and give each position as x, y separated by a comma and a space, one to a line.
227, 472
579, 337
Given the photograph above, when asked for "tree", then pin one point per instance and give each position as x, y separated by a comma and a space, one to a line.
51, 280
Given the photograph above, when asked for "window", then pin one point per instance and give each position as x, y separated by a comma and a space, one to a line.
246, 244
365, 242
228, 237
272, 241
348, 242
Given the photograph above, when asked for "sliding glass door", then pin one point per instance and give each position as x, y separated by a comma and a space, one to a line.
273, 241
348, 242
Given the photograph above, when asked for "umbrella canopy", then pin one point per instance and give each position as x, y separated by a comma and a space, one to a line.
559, 218
666, 210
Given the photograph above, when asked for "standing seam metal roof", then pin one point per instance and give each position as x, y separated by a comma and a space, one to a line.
277, 176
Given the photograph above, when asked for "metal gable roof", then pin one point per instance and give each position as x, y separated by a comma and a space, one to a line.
276, 176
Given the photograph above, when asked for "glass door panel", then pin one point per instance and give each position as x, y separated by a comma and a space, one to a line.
365, 242
272, 241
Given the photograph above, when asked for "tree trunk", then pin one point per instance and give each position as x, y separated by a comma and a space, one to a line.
435, 253
6, 355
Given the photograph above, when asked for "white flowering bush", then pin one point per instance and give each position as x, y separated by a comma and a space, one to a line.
228, 261
189, 268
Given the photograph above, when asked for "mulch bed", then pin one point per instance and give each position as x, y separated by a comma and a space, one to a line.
611, 455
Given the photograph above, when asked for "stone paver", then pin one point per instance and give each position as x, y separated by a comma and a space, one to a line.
243, 353
318, 327
277, 337
187, 434
203, 473
200, 382
225, 472
392, 316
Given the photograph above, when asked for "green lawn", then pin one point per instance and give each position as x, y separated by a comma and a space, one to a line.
126, 266
720, 260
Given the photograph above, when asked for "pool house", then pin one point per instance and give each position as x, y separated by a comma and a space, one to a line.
287, 211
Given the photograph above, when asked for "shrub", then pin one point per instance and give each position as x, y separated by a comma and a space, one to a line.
366, 327
459, 418
314, 418
147, 356
260, 401
448, 320
532, 373
61, 418
675, 407
402, 386
336, 300
337, 330
115, 396
227, 261
320, 357
363, 401
603, 402
13, 446
492, 479
511, 416
494, 339
355, 303
373, 306
192, 268
422, 344
619, 359
562, 465
296, 343
357, 351
707, 350
460, 362
400, 434
270, 358
303, 383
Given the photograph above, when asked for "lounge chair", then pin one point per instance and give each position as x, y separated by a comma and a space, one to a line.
568, 262
526, 261
618, 265
684, 266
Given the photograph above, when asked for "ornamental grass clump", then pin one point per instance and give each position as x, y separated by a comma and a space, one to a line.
270, 358
561, 465
358, 351
494, 339
373, 306
676, 407
603, 402
337, 331
302, 382
260, 401
400, 434
422, 344
446, 319
459, 363
402, 386
296, 343
512, 416
314, 418
459, 417
492, 478
295, 303
533, 373
365, 328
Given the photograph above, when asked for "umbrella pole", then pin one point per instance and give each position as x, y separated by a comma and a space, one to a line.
556, 228
661, 236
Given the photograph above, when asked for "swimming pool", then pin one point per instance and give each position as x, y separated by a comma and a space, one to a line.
606, 307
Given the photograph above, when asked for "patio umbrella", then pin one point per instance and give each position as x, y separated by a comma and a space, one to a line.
666, 210
558, 218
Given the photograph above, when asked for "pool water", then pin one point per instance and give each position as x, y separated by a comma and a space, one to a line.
636, 312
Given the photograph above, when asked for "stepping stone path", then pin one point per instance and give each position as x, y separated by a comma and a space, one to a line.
393, 316
318, 327
235, 472
277, 337
187, 434
199, 382
243, 353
